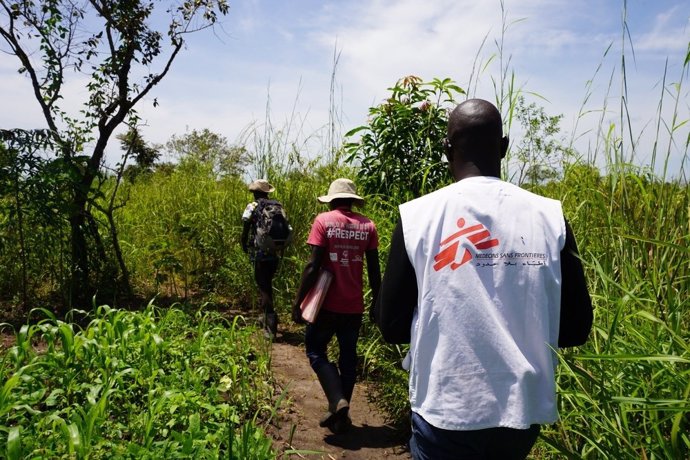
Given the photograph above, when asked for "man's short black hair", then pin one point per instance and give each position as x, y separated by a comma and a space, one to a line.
336, 202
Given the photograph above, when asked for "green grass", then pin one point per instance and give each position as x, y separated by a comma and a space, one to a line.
167, 382
623, 395
149, 384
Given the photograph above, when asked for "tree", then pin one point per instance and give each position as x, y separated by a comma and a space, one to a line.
132, 144
211, 149
22, 190
113, 45
145, 155
400, 152
540, 153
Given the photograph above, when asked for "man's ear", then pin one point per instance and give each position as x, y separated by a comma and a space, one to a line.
447, 150
504, 146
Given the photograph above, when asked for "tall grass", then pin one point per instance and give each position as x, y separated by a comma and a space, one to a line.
178, 232
625, 394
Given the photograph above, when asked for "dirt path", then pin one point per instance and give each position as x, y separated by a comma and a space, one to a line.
369, 438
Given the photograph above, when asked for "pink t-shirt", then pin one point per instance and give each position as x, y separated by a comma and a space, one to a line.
346, 236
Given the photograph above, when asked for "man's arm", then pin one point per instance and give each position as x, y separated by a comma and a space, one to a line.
397, 299
309, 276
245, 235
374, 275
576, 305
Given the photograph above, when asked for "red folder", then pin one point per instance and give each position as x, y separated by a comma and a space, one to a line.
312, 302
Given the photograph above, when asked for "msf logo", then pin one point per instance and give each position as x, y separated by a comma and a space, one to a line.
478, 235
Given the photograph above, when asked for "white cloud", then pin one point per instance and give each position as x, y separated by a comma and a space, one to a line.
667, 34
286, 52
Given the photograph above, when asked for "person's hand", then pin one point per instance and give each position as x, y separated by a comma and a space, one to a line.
297, 315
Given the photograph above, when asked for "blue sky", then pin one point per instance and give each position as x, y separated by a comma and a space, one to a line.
281, 54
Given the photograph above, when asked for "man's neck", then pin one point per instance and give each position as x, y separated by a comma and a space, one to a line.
467, 170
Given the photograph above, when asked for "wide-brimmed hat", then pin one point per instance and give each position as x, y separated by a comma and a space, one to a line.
341, 188
260, 185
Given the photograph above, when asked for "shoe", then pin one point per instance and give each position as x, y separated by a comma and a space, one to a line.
330, 418
272, 323
342, 424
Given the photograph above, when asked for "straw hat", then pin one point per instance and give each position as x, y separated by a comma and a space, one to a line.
341, 188
260, 185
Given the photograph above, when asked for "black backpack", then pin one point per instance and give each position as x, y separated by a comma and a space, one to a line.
273, 231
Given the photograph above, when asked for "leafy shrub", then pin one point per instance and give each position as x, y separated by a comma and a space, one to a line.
399, 153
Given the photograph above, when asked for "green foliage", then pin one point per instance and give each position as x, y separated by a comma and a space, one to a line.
210, 148
625, 394
145, 156
180, 231
539, 154
33, 200
115, 44
399, 153
149, 384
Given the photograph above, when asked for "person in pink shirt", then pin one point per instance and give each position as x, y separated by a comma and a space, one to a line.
341, 240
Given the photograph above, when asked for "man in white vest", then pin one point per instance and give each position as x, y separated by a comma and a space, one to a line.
484, 281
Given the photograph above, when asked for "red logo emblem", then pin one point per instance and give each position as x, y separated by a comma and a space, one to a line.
478, 235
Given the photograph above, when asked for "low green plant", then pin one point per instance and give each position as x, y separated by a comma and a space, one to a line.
149, 384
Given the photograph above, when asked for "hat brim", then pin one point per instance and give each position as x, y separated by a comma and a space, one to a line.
329, 198
259, 189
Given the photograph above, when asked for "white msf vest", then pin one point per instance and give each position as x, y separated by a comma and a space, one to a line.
486, 255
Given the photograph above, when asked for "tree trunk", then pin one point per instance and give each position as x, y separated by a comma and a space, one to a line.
79, 276
80, 286
22, 242
97, 240
126, 286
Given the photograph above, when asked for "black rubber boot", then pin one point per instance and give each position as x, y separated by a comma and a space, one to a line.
342, 424
338, 407
271, 323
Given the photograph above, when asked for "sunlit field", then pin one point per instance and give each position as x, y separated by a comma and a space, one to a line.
169, 361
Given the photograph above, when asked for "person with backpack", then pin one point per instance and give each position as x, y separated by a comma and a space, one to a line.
341, 240
265, 234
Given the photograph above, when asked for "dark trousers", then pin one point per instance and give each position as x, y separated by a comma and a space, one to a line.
431, 443
345, 327
264, 270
